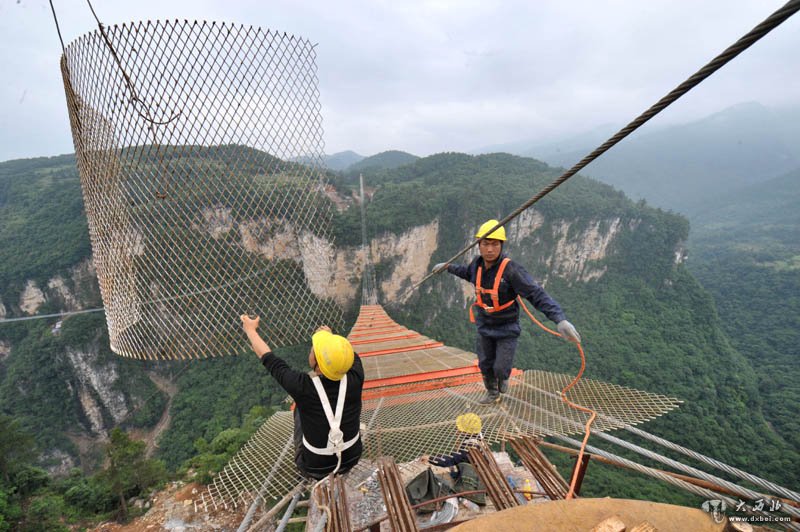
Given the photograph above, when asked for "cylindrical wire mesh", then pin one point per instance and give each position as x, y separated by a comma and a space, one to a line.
199, 147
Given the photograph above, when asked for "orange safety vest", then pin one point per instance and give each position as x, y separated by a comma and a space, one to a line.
494, 292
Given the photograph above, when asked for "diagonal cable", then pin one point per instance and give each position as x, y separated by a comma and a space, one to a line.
769, 24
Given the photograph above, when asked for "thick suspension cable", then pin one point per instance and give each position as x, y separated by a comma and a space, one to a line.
691, 488
744, 475
769, 24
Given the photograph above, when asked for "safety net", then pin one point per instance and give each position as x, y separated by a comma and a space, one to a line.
199, 147
415, 388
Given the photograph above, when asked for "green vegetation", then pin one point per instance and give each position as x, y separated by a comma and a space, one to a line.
31, 501
41, 386
387, 160
129, 472
215, 395
647, 323
16, 447
212, 456
745, 250
43, 230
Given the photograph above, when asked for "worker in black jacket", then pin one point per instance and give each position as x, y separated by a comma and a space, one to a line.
498, 281
326, 438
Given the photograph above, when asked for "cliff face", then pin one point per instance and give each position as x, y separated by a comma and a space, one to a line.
75, 291
31, 298
98, 389
335, 272
62, 374
609, 262
100, 397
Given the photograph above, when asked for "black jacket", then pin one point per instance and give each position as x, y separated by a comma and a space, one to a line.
516, 281
312, 416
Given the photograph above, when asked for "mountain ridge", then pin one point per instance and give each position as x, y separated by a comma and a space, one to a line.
645, 319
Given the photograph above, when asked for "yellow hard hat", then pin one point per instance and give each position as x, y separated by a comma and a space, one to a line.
469, 423
334, 354
498, 234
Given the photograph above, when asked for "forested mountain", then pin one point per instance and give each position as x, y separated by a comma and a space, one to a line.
554, 149
648, 323
759, 215
336, 161
616, 267
681, 167
386, 160
745, 249
745, 222
341, 160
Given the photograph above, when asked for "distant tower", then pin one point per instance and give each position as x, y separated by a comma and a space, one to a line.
369, 294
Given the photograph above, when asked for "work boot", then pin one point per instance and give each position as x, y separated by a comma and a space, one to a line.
502, 385
492, 393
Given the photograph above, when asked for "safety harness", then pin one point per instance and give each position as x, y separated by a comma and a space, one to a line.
336, 444
494, 292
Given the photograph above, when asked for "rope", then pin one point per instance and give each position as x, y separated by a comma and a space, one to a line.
56, 315
134, 96
744, 475
775, 488
593, 414
770, 23
87, 311
742, 491
739, 490
148, 302
58, 29
288, 514
258, 525
697, 490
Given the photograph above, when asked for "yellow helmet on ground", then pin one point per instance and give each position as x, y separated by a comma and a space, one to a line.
469, 423
498, 234
334, 354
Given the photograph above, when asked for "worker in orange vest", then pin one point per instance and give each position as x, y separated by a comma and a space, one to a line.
498, 281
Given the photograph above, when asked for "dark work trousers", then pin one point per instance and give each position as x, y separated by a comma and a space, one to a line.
496, 355
298, 443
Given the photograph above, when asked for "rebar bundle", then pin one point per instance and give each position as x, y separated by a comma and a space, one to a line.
199, 147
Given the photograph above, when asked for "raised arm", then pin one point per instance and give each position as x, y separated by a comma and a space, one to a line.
250, 327
290, 380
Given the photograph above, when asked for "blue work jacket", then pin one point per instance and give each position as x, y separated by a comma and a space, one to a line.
516, 281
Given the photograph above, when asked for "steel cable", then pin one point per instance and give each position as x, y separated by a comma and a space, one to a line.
697, 490
745, 492
744, 475
770, 23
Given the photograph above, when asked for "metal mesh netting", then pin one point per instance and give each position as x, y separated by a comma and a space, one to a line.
423, 422
199, 149
417, 418
407, 426
264, 465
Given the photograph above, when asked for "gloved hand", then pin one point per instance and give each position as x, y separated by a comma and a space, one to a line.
568, 331
436, 267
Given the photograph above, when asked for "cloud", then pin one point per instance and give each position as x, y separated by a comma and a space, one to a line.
443, 75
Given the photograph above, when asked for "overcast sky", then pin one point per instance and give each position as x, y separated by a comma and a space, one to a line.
446, 75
